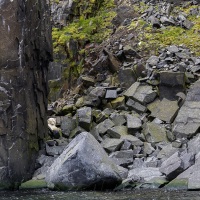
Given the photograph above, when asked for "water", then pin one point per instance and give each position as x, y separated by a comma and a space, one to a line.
128, 195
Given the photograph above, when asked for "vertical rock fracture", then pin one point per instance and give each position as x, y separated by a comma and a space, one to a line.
25, 52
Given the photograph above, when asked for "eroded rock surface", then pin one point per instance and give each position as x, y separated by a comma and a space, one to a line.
25, 51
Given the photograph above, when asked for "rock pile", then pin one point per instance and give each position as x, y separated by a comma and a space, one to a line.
144, 115
145, 128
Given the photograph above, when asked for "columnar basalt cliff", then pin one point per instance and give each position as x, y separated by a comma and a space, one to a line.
25, 52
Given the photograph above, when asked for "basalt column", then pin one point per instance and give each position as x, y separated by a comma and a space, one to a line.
25, 52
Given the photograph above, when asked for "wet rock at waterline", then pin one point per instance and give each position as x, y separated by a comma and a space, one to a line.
83, 164
24, 56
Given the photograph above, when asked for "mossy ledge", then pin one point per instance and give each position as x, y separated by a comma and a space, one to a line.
91, 23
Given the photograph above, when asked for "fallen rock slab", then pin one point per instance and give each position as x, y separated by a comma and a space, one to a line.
173, 166
155, 133
187, 121
111, 144
83, 165
122, 158
164, 110
144, 174
189, 179
141, 93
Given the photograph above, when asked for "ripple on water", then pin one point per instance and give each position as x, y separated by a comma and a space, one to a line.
92, 195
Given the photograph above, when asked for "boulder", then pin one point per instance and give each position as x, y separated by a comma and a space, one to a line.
84, 117
144, 174
133, 105
172, 166
194, 145
132, 139
188, 24
114, 63
67, 125
126, 77
154, 133
122, 158
153, 61
98, 91
141, 93
173, 49
123, 172
148, 149
189, 179
137, 163
83, 165
133, 123
119, 101
187, 121
126, 145
167, 21
117, 131
111, 94
104, 126
167, 151
170, 84
111, 144
132, 89
88, 81
118, 119
164, 110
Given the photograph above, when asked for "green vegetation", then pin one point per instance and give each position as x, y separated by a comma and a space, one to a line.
34, 184
94, 29
91, 24
151, 39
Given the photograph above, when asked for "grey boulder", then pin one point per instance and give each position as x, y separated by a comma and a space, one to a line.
144, 174
83, 165
173, 166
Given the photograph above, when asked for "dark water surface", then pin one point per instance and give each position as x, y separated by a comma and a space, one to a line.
128, 195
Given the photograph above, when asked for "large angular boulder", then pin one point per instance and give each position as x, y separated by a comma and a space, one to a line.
111, 144
187, 121
141, 93
122, 158
173, 166
189, 179
155, 133
25, 52
143, 174
83, 165
164, 110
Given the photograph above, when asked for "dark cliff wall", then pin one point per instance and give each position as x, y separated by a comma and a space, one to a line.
25, 52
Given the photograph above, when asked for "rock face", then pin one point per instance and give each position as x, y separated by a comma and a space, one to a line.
83, 164
25, 52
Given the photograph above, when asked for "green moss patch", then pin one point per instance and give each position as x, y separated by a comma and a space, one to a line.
178, 184
33, 184
151, 39
91, 24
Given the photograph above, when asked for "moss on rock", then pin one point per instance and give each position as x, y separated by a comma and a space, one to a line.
34, 184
